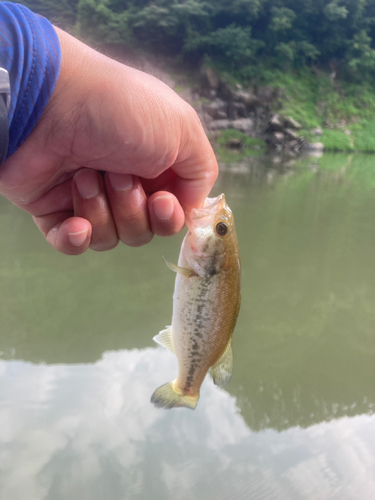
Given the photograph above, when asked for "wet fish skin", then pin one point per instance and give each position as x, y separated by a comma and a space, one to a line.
206, 302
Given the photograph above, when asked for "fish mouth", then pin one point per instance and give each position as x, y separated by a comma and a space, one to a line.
210, 207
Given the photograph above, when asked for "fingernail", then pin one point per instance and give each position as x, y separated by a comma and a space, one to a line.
121, 182
77, 239
163, 207
87, 184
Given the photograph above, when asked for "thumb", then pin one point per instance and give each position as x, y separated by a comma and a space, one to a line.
195, 177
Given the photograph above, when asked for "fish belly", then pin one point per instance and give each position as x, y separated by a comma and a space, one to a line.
200, 333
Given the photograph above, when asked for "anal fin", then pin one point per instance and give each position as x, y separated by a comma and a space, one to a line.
222, 370
164, 338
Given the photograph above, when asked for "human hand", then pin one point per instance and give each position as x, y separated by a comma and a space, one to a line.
116, 155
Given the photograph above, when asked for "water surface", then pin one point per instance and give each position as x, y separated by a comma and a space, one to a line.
78, 364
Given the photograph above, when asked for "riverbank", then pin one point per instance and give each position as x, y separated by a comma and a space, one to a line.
288, 112
288, 76
344, 112
280, 111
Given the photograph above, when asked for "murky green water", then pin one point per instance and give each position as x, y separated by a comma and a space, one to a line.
78, 364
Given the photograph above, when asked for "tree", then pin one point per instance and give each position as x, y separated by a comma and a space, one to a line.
361, 55
99, 22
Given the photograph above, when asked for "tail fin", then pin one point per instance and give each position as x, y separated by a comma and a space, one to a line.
167, 397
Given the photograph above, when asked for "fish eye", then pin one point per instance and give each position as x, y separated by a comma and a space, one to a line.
221, 229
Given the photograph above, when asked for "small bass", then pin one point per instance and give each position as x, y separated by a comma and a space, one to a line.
206, 302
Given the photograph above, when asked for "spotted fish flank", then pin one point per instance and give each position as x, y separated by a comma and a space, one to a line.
206, 302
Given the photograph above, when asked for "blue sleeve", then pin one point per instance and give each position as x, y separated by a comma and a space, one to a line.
30, 52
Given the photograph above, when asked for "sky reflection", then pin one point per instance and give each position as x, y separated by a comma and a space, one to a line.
297, 420
89, 431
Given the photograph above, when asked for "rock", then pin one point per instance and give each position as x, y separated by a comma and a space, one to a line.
294, 146
216, 109
240, 109
290, 153
225, 91
277, 138
231, 110
248, 110
290, 122
234, 143
265, 94
275, 125
221, 115
314, 146
245, 125
210, 78
316, 131
220, 124
247, 98
290, 134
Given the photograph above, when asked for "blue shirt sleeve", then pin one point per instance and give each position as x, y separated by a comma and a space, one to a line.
30, 52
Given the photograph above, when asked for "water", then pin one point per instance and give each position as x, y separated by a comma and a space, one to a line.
78, 364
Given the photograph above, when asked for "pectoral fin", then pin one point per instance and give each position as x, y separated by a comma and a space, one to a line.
182, 270
164, 338
221, 371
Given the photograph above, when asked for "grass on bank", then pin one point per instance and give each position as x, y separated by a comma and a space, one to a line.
344, 110
249, 146
336, 140
364, 139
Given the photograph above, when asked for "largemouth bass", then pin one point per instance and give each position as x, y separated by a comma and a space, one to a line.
206, 302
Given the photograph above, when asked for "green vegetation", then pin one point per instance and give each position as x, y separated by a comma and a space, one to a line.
335, 34
336, 140
61, 12
233, 145
344, 110
228, 135
320, 54
365, 138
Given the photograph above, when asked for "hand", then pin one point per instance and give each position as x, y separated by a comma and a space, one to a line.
116, 155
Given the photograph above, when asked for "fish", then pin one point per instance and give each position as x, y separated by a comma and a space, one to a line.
206, 302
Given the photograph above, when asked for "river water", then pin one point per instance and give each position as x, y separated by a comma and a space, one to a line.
78, 364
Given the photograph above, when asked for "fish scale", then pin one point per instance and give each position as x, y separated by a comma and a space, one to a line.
196, 318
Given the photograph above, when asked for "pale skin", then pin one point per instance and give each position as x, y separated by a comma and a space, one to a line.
116, 156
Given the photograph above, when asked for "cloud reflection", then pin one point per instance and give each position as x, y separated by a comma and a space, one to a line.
90, 432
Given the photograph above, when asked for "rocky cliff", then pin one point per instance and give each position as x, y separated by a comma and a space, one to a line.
252, 111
